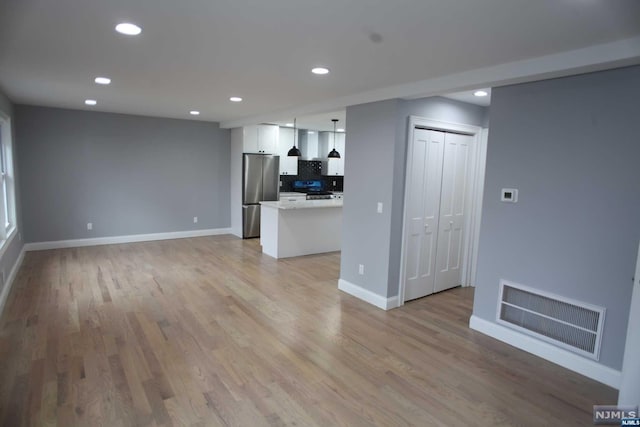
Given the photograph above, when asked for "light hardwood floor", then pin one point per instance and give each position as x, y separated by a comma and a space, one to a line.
208, 331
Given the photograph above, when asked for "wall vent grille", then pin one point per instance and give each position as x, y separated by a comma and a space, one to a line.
570, 324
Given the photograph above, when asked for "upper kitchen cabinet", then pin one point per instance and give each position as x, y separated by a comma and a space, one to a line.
333, 167
262, 139
288, 165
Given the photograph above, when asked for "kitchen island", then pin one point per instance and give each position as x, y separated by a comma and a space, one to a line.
301, 227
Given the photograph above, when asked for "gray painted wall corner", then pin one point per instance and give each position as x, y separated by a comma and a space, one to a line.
369, 178
570, 146
375, 172
125, 174
235, 161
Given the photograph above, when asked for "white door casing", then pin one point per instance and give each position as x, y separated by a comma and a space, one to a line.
468, 198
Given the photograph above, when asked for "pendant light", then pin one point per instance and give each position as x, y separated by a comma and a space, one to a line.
334, 154
294, 151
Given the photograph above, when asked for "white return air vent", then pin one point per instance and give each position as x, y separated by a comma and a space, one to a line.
570, 324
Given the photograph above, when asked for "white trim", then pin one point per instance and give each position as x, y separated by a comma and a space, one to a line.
584, 60
476, 214
8, 283
368, 296
475, 182
112, 240
557, 355
7, 242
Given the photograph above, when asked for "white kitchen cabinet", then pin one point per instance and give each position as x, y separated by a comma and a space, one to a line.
332, 167
262, 139
288, 165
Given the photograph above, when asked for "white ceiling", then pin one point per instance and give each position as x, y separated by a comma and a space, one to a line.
468, 97
195, 54
321, 122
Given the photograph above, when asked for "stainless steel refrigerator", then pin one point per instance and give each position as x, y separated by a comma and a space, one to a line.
260, 182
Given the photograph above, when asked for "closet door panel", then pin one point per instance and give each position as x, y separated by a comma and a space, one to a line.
422, 212
453, 211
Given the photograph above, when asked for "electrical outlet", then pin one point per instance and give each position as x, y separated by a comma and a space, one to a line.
379, 207
360, 268
89, 226
195, 219
334, 183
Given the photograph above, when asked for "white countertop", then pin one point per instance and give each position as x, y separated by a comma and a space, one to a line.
304, 204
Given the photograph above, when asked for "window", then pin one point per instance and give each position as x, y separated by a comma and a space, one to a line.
7, 186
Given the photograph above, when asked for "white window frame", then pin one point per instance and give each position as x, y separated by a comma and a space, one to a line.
7, 184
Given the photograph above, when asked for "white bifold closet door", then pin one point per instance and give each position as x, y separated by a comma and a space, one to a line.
436, 212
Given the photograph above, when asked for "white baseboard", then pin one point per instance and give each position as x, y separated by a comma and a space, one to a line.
368, 296
557, 355
10, 279
236, 231
124, 239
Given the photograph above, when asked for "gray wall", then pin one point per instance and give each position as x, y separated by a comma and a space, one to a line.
12, 252
369, 179
236, 181
375, 168
5, 104
571, 147
125, 174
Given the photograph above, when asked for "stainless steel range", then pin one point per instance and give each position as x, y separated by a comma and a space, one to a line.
319, 195
313, 188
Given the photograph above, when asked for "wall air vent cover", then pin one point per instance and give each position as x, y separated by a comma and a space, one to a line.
569, 324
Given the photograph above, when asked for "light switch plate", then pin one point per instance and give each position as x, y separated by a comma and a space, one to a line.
379, 207
509, 195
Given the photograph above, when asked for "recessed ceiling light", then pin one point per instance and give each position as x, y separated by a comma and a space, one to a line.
310, 132
128, 29
320, 71
194, 112
480, 93
289, 125
340, 130
235, 99
90, 101
102, 80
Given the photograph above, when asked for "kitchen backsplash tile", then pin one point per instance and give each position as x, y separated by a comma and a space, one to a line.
308, 170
